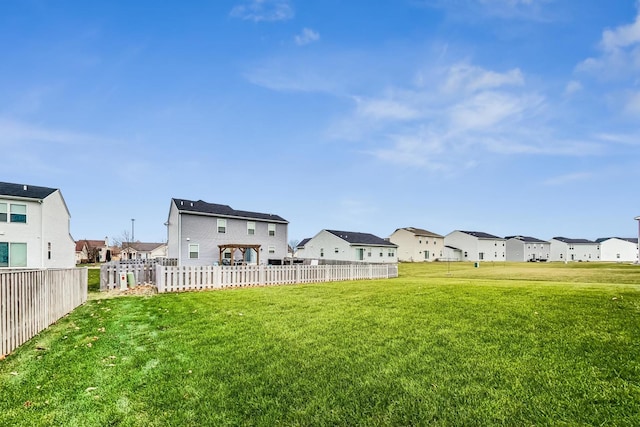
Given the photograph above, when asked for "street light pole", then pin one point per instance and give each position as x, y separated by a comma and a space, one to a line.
638, 245
132, 234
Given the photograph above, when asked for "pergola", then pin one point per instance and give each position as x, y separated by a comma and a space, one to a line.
242, 248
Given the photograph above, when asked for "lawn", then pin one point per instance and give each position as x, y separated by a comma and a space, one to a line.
444, 344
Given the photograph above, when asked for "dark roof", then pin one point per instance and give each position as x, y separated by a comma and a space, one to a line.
526, 239
451, 247
303, 242
573, 241
27, 191
420, 232
202, 207
481, 235
141, 246
361, 238
627, 239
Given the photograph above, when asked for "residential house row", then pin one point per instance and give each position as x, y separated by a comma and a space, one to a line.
415, 244
34, 233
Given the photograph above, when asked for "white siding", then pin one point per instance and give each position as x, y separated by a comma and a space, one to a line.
416, 248
47, 222
618, 250
324, 245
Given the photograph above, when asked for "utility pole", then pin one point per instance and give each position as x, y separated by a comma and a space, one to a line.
638, 245
132, 230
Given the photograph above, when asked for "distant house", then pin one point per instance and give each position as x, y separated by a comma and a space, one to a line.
417, 244
201, 233
618, 249
93, 251
34, 228
347, 246
476, 245
140, 250
525, 248
566, 249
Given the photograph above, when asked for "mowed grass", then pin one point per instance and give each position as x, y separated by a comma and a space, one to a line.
513, 344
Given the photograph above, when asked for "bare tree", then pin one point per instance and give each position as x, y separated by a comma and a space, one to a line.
122, 241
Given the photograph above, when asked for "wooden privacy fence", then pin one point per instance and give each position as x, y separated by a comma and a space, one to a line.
31, 300
177, 279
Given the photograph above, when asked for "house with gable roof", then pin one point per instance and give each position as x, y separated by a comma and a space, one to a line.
567, 249
144, 251
34, 228
618, 249
476, 245
526, 248
348, 246
417, 244
202, 233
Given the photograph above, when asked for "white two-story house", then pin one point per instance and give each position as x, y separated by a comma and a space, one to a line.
618, 249
201, 233
347, 246
34, 228
417, 244
476, 245
566, 249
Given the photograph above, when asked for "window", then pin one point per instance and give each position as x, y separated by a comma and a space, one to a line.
222, 226
272, 249
321, 252
337, 250
618, 256
251, 228
369, 253
390, 252
194, 251
49, 250
381, 252
4, 254
481, 256
18, 213
272, 229
13, 254
3, 212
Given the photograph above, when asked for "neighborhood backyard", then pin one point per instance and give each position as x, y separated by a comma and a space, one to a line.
442, 344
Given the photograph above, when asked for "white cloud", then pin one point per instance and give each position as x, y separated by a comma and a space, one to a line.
307, 36
572, 87
568, 179
620, 52
263, 10
385, 109
472, 79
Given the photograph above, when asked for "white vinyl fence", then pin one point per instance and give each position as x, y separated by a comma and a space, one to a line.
177, 279
31, 300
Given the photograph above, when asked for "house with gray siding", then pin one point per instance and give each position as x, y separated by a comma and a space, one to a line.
347, 246
566, 249
201, 233
526, 248
34, 228
476, 245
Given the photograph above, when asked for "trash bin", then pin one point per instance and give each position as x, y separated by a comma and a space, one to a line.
131, 279
476, 264
123, 281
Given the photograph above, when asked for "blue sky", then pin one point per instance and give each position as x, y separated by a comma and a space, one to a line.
502, 116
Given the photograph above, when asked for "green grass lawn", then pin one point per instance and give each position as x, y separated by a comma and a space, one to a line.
503, 344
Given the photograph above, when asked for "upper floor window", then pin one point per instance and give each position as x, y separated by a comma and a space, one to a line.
272, 229
18, 213
222, 226
251, 228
